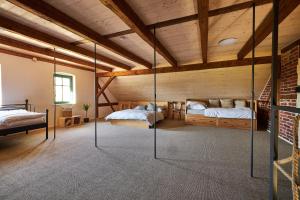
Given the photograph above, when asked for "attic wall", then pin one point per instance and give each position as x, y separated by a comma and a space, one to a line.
218, 83
24, 79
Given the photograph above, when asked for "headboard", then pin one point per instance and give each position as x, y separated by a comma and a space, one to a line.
25, 106
131, 104
207, 101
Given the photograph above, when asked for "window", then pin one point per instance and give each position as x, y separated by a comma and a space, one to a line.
64, 85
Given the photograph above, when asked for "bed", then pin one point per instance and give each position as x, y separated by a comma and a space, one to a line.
15, 118
229, 117
129, 116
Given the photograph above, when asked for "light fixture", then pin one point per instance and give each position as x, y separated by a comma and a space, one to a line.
227, 41
34, 59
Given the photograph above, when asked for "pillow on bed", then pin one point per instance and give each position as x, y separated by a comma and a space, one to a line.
240, 103
214, 103
150, 107
139, 107
196, 105
226, 103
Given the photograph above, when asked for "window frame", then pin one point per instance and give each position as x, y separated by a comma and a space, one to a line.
71, 78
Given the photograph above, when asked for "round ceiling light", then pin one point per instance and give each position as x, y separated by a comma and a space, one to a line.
227, 41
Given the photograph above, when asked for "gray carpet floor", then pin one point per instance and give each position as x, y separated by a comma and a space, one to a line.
193, 163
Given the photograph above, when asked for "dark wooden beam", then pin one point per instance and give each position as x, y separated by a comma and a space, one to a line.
203, 6
290, 46
19, 28
23, 55
105, 85
129, 17
192, 67
48, 52
50, 13
105, 96
211, 13
108, 104
265, 27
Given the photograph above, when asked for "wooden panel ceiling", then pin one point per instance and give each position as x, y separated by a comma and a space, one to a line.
91, 13
182, 40
27, 18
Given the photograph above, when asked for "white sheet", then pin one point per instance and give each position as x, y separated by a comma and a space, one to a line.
25, 122
195, 112
233, 113
132, 114
13, 116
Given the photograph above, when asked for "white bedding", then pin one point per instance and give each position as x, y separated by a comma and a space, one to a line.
195, 111
131, 114
233, 113
14, 118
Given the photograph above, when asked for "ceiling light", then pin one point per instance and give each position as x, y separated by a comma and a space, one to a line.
227, 41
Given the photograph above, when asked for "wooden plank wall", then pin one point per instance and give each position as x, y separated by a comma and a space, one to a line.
229, 82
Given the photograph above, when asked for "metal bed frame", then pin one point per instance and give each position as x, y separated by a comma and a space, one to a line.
28, 107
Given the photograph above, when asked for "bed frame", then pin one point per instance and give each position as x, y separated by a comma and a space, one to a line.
137, 123
28, 107
201, 120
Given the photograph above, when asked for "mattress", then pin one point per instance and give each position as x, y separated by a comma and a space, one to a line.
132, 114
195, 111
17, 118
231, 113
23, 123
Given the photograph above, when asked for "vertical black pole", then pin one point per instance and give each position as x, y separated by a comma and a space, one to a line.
274, 97
54, 127
252, 88
95, 81
154, 67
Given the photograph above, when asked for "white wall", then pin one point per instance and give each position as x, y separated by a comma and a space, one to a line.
25, 79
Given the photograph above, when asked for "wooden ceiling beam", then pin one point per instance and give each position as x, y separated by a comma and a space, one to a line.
211, 13
129, 17
27, 31
203, 6
50, 13
192, 67
286, 7
23, 55
48, 52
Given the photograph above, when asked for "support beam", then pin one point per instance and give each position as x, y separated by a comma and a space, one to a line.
203, 6
105, 96
105, 85
192, 67
265, 28
27, 31
47, 52
211, 13
23, 55
129, 17
50, 13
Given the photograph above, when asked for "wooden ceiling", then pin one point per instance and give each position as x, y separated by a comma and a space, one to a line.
71, 26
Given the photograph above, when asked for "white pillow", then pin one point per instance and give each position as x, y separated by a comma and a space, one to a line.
139, 107
196, 105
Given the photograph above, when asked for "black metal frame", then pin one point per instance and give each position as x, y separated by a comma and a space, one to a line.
26, 106
96, 100
154, 77
252, 91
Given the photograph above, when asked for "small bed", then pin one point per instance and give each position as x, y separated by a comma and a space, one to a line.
15, 118
136, 114
200, 112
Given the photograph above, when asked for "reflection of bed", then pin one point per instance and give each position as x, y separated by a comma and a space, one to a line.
221, 117
16, 118
128, 116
